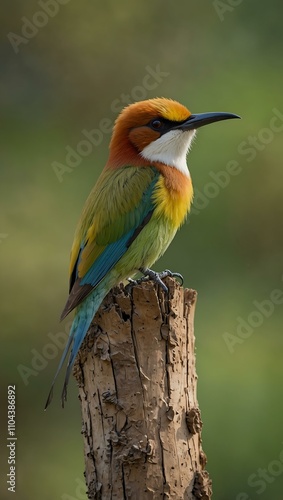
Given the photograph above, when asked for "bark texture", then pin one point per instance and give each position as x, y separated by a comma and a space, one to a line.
137, 387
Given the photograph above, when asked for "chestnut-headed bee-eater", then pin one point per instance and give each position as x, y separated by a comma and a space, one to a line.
134, 210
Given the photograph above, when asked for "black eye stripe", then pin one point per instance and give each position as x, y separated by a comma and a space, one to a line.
160, 125
163, 125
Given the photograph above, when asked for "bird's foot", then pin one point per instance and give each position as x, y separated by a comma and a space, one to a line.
131, 284
149, 274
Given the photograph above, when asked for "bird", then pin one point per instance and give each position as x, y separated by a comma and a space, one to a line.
133, 212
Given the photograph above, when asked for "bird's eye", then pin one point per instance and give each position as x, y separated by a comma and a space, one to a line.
156, 124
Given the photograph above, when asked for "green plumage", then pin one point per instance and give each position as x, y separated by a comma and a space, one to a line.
118, 232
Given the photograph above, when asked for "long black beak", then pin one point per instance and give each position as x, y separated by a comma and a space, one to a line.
201, 119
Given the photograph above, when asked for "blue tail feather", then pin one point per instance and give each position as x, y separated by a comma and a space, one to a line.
81, 331
64, 355
83, 318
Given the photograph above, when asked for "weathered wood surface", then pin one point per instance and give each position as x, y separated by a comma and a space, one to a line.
137, 387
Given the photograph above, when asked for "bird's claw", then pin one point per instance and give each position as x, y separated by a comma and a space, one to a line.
131, 284
167, 272
149, 274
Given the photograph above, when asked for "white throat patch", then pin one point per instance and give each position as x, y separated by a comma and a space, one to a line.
171, 148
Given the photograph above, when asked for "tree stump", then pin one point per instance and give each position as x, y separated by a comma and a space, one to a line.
137, 387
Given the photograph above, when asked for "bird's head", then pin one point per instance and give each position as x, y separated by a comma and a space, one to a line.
157, 130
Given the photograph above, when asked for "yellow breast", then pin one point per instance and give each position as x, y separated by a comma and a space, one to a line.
173, 196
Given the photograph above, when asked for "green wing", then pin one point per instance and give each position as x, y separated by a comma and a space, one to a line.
117, 209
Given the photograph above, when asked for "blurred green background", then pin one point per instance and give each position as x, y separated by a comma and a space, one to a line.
68, 74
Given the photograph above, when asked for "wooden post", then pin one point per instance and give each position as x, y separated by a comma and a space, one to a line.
137, 387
